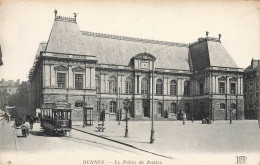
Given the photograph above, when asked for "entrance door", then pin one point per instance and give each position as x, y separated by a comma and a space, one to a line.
146, 108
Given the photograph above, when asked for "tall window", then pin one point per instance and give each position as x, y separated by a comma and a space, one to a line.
97, 79
187, 107
186, 88
144, 86
233, 106
245, 87
232, 88
256, 85
128, 86
221, 88
112, 107
257, 95
159, 107
173, 108
173, 88
78, 81
61, 80
201, 88
112, 85
251, 85
222, 106
159, 87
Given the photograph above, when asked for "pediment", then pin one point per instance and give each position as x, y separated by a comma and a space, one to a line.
144, 56
61, 68
78, 69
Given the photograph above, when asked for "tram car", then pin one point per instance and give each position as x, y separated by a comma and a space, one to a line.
57, 120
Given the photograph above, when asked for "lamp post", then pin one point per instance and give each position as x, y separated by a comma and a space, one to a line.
103, 114
119, 111
126, 107
152, 129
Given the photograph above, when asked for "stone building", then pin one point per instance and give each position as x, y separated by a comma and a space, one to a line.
103, 69
7, 88
251, 89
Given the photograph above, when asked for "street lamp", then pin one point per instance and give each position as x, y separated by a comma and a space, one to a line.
152, 129
103, 114
119, 110
126, 107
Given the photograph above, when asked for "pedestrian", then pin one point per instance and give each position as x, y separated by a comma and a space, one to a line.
31, 121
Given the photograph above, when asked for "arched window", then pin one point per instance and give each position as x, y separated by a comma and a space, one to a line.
186, 88
97, 84
159, 87
173, 108
112, 85
112, 107
159, 107
173, 88
222, 106
144, 86
128, 86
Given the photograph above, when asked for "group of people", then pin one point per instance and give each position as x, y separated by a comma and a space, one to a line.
24, 127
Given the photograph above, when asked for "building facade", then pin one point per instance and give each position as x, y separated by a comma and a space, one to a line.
7, 88
102, 69
251, 90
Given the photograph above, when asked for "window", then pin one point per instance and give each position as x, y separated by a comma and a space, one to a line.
159, 107
78, 81
245, 96
201, 88
186, 88
256, 85
159, 87
187, 107
245, 87
232, 88
61, 80
257, 95
144, 86
97, 84
112, 85
251, 86
128, 86
221, 88
173, 108
9, 90
173, 88
112, 107
78, 103
222, 106
251, 96
233, 106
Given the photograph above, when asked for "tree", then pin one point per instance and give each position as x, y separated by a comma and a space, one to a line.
21, 98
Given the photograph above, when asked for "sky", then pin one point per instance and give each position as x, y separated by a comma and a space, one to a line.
25, 24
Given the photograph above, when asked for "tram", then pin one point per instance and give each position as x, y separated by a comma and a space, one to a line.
57, 120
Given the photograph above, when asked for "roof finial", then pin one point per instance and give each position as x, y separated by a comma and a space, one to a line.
55, 12
207, 33
219, 36
75, 15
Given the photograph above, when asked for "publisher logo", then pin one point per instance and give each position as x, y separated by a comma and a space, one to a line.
241, 159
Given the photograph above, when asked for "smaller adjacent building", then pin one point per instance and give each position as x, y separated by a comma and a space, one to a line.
251, 90
7, 88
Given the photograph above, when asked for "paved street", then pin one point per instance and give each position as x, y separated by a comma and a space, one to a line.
201, 143
39, 148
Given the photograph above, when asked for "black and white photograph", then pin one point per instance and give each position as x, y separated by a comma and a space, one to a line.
129, 82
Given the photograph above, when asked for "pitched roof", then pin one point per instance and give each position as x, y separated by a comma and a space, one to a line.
210, 52
118, 50
66, 38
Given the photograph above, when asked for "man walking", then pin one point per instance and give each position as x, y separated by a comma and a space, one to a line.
31, 121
